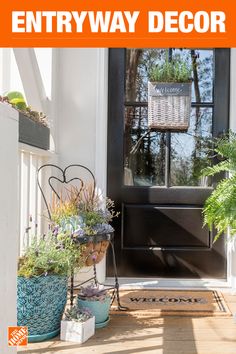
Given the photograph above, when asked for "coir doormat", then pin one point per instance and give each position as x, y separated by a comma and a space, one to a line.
171, 302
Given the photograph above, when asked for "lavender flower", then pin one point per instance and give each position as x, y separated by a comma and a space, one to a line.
55, 230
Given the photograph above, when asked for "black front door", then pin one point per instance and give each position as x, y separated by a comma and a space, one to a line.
154, 176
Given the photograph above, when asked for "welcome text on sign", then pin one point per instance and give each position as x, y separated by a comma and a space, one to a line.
117, 21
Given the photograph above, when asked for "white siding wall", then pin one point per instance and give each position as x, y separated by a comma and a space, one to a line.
76, 98
33, 216
8, 222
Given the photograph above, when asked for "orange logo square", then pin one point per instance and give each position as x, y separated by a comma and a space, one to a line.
17, 336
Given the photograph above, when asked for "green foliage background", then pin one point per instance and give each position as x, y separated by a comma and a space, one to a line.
220, 208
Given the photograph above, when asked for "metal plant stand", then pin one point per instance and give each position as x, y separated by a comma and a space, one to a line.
64, 179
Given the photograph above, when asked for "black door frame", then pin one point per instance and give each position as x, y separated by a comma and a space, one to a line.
116, 104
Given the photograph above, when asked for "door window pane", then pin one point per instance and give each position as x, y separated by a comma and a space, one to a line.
189, 150
139, 62
144, 150
146, 161
203, 67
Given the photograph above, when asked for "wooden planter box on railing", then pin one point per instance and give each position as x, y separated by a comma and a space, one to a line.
33, 133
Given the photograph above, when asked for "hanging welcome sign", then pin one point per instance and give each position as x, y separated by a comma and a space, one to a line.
169, 89
169, 106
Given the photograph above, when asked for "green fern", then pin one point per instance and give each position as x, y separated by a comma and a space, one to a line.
220, 208
223, 166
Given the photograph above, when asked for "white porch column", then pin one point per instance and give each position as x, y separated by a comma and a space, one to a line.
80, 111
8, 222
232, 245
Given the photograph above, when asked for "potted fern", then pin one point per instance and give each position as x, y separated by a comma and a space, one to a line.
78, 325
169, 95
220, 208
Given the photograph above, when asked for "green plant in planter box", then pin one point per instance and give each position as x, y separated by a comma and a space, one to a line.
77, 325
76, 314
220, 208
175, 70
17, 100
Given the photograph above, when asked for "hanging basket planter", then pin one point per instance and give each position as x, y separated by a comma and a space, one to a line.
95, 247
169, 106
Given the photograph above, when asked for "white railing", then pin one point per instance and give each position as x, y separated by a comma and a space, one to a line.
32, 213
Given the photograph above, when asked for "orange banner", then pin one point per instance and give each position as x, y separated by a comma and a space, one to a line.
120, 23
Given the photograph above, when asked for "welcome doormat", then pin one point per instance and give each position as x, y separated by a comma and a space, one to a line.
172, 302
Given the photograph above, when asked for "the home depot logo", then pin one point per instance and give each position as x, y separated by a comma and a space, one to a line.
17, 336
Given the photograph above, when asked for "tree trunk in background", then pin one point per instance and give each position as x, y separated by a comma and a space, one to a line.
197, 128
132, 59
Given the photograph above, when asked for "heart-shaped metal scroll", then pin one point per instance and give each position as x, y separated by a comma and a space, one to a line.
63, 179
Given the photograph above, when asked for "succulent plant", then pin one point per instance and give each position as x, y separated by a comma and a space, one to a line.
17, 100
77, 314
83, 213
93, 292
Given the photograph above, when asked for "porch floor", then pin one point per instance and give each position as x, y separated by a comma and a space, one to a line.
164, 335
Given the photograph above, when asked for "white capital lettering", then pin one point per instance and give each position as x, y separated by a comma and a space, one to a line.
79, 19
49, 15
98, 21
131, 19
201, 21
33, 22
183, 25
217, 21
16, 21
64, 21
155, 21
170, 20
117, 23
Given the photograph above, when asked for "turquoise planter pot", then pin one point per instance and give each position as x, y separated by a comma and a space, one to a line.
40, 305
100, 309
